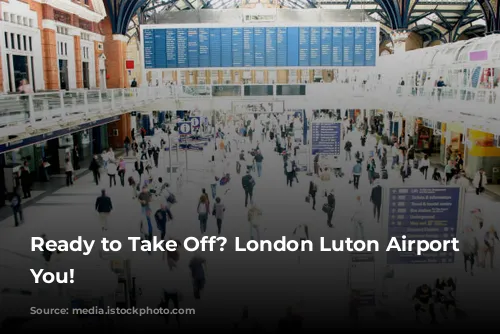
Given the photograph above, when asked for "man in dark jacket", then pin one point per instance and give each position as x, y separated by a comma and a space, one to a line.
162, 216
17, 210
94, 167
103, 206
331, 208
376, 199
248, 183
26, 182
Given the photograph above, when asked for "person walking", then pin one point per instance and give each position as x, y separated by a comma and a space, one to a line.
17, 209
94, 168
479, 181
25, 182
248, 184
104, 207
329, 207
162, 216
424, 165
254, 215
112, 170
357, 169
313, 189
218, 212
202, 209
69, 172
347, 149
258, 158
122, 168
376, 199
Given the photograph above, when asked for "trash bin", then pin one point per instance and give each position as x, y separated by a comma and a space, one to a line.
495, 175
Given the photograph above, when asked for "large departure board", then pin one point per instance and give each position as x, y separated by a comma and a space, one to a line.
209, 47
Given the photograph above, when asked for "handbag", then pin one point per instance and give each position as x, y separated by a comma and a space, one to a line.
308, 198
171, 199
376, 175
326, 208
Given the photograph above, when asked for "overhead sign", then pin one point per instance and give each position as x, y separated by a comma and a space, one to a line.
423, 213
326, 138
252, 107
195, 122
184, 128
213, 46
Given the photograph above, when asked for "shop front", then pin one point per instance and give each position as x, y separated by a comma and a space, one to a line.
454, 142
428, 137
483, 151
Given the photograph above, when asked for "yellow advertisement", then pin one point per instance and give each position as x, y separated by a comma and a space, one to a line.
481, 144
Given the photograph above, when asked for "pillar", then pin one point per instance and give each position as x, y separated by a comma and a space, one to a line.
399, 38
78, 62
115, 50
50, 64
387, 124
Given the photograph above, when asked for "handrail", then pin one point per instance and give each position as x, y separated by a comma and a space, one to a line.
23, 112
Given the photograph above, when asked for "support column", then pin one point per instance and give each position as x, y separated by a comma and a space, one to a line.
115, 49
78, 62
49, 54
399, 38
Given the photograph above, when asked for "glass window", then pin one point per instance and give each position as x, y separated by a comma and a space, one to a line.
6, 16
12, 41
24, 43
31, 47
6, 37
65, 49
19, 47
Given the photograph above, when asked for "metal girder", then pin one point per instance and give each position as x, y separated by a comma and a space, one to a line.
189, 4
349, 4
418, 18
446, 24
460, 22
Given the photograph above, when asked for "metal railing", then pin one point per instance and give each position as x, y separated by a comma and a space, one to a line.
41, 110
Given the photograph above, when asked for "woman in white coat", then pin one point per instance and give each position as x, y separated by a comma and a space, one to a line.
479, 181
112, 169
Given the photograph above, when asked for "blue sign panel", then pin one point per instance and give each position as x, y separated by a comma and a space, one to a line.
337, 46
195, 122
160, 43
149, 48
359, 46
348, 41
248, 48
259, 37
237, 47
204, 44
184, 128
215, 48
370, 46
315, 47
171, 50
326, 46
304, 37
226, 43
193, 48
293, 46
326, 138
282, 46
424, 214
260, 47
182, 48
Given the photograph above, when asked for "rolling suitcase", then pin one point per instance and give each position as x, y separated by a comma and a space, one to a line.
384, 174
415, 163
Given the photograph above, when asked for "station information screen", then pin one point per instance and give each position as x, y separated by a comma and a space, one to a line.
259, 46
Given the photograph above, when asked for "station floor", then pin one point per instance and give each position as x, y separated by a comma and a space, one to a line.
265, 282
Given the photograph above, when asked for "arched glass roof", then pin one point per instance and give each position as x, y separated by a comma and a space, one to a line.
432, 19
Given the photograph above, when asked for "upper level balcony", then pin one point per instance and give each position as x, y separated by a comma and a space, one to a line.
26, 115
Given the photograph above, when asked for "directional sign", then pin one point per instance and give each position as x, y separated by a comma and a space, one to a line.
425, 213
326, 138
184, 128
195, 122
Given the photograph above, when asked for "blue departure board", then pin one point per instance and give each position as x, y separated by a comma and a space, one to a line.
193, 48
315, 46
370, 46
171, 48
282, 46
259, 38
271, 47
293, 46
237, 37
337, 46
248, 48
304, 39
215, 48
160, 42
226, 42
359, 46
326, 46
149, 49
261, 46
348, 43
182, 48
204, 45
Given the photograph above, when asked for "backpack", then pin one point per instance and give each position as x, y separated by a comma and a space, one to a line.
15, 201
